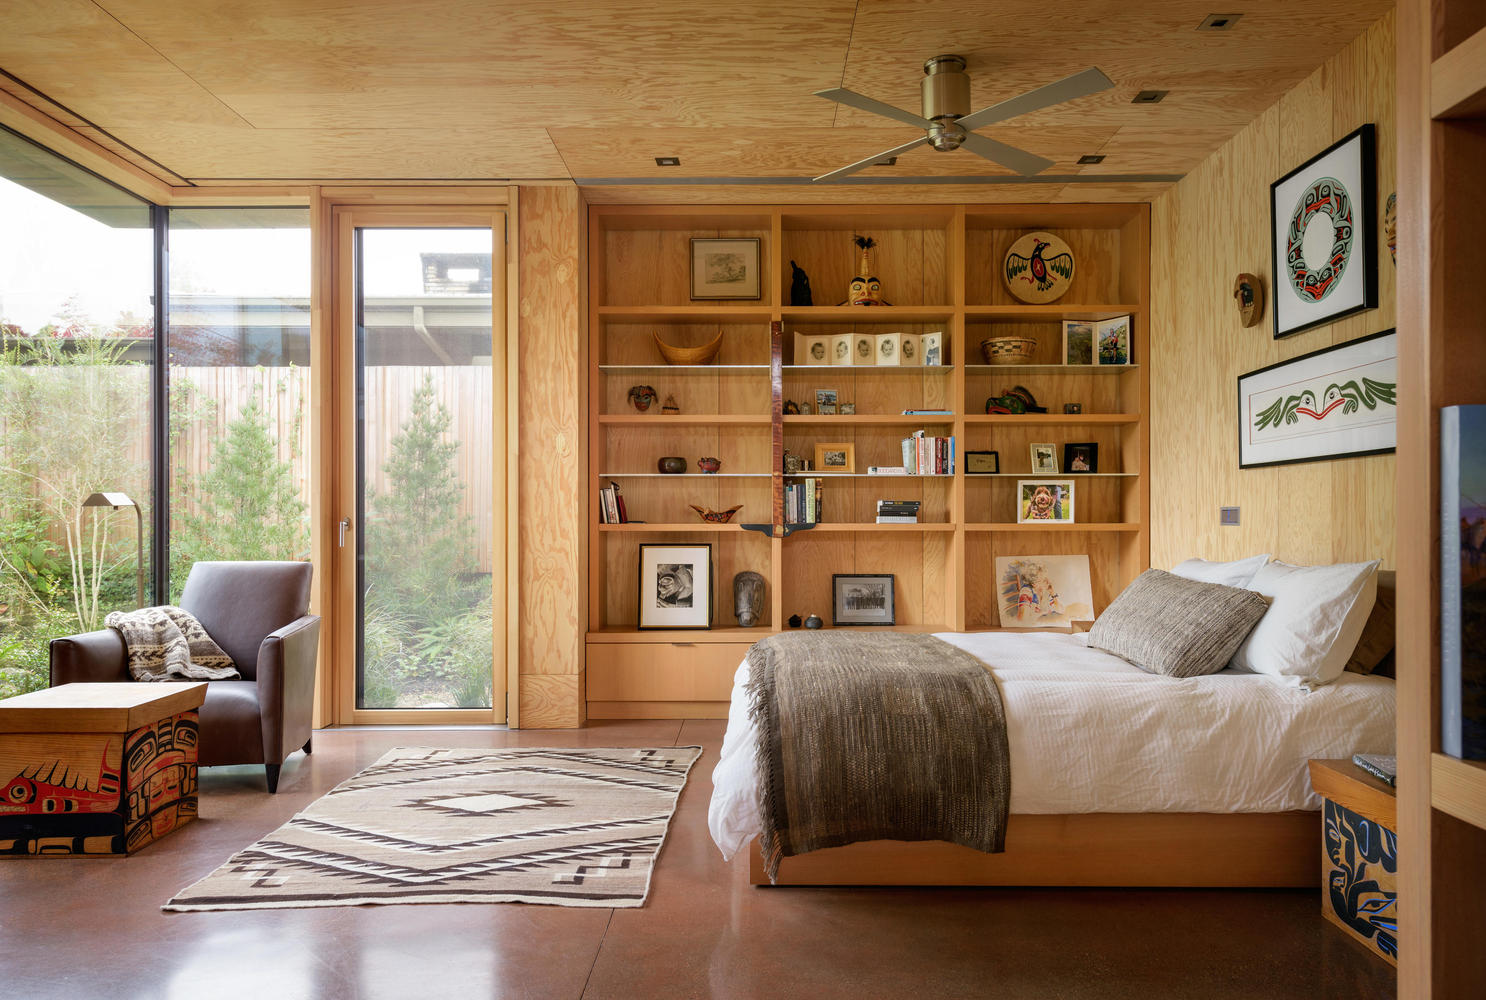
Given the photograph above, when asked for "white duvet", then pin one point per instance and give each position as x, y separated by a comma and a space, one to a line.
1091, 733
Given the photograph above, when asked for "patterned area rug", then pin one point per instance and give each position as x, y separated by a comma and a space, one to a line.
423, 825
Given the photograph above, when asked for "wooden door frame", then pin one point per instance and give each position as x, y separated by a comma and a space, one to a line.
340, 467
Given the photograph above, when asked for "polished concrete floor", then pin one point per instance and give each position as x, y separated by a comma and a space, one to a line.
83, 928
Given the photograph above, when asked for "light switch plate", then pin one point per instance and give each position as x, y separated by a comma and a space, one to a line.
1228, 515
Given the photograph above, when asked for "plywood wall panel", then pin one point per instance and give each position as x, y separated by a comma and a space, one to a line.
1207, 229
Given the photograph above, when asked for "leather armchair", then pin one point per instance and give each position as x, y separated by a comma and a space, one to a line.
256, 612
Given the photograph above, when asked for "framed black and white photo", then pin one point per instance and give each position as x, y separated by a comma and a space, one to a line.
725, 269
1333, 403
862, 599
675, 586
1323, 220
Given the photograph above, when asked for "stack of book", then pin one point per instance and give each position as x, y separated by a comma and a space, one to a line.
611, 505
897, 511
802, 501
928, 456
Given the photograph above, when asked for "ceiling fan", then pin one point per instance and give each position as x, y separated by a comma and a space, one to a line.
947, 123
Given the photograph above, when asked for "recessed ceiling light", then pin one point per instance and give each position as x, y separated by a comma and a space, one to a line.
1150, 97
1091, 158
1218, 22
668, 161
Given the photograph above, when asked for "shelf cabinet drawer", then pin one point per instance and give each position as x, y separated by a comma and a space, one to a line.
663, 671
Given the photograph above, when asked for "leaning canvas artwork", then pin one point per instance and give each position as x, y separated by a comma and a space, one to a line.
1043, 591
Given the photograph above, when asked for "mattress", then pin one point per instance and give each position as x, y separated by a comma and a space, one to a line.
1091, 733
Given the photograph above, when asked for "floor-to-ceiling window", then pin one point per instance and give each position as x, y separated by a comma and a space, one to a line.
76, 354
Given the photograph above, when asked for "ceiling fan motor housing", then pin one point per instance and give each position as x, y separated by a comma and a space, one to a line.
946, 92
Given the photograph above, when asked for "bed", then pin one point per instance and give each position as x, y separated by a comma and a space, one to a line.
1119, 777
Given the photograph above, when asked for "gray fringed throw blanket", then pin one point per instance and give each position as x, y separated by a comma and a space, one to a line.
883, 736
167, 644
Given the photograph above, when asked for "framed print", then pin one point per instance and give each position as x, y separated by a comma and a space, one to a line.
982, 463
725, 269
848, 409
1333, 403
1044, 501
1081, 456
675, 586
825, 398
1323, 222
1074, 408
841, 348
1039, 591
1044, 459
864, 349
1112, 341
862, 599
1078, 342
835, 458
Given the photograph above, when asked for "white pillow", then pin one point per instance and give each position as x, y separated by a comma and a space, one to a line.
1315, 618
1230, 574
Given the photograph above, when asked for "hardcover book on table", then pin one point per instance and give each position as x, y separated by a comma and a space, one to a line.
1463, 581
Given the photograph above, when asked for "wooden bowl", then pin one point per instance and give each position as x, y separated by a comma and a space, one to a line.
703, 355
1008, 350
715, 516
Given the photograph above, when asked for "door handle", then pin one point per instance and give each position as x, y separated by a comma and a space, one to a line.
345, 524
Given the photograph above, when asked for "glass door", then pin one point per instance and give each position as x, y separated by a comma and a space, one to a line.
420, 538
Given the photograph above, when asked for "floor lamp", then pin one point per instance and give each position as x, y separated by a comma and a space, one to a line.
115, 501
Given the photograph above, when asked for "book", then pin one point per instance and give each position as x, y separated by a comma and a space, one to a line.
1381, 766
928, 413
1463, 581
886, 470
619, 504
897, 518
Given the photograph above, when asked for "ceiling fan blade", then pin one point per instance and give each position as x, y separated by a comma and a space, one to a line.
1020, 160
862, 103
874, 158
1090, 81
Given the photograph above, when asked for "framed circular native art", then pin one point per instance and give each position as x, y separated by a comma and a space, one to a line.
1323, 228
1038, 268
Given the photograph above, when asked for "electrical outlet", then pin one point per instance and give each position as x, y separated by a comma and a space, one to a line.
1228, 516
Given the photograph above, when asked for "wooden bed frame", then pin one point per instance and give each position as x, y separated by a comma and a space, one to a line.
1094, 849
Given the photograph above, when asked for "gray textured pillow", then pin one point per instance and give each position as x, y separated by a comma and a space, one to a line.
1166, 624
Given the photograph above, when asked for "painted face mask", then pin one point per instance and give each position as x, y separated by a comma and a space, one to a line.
865, 292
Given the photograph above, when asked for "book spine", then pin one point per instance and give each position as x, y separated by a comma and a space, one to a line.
908, 465
1450, 621
619, 504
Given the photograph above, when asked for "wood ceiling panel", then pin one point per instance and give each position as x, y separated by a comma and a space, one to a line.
113, 145
887, 194
1141, 149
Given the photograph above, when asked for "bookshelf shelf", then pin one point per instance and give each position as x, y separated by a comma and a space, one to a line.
1054, 419
684, 420
1012, 527
1458, 787
1458, 80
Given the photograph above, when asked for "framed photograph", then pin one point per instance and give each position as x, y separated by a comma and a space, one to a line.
862, 599
1080, 456
1042, 591
982, 463
1323, 226
835, 458
841, 348
1112, 341
825, 398
725, 269
864, 349
847, 409
1078, 342
1044, 501
1333, 403
931, 349
1044, 459
675, 586
1073, 408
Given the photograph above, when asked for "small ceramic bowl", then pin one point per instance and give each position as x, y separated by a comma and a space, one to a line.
671, 465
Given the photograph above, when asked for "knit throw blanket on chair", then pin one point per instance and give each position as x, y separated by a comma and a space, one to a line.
167, 644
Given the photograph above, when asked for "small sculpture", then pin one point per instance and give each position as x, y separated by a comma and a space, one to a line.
799, 286
1248, 294
641, 396
866, 288
671, 465
669, 406
814, 622
794, 621
790, 406
716, 516
748, 597
1018, 399
709, 465
1390, 226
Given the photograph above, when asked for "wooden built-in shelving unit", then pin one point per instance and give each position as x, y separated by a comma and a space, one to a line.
939, 267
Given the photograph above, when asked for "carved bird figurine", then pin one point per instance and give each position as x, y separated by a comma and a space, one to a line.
715, 516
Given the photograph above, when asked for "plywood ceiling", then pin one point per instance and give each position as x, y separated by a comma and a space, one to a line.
221, 91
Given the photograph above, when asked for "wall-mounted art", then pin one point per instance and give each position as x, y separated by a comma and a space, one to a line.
1038, 268
725, 269
1324, 229
1390, 226
1039, 591
1248, 295
675, 586
1333, 403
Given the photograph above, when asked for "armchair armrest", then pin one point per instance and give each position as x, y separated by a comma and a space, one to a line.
89, 656
286, 686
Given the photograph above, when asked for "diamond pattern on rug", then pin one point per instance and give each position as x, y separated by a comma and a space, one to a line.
428, 825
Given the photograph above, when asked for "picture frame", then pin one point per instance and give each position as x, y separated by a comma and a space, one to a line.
1337, 402
841, 346
835, 457
982, 463
825, 398
931, 349
1080, 458
1112, 342
862, 599
1323, 228
725, 268
847, 409
1078, 342
1044, 458
1043, 591
1045, 501
1073, 408
675, 586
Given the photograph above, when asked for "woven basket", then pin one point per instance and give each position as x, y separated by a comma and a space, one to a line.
1008, 350
703, 355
